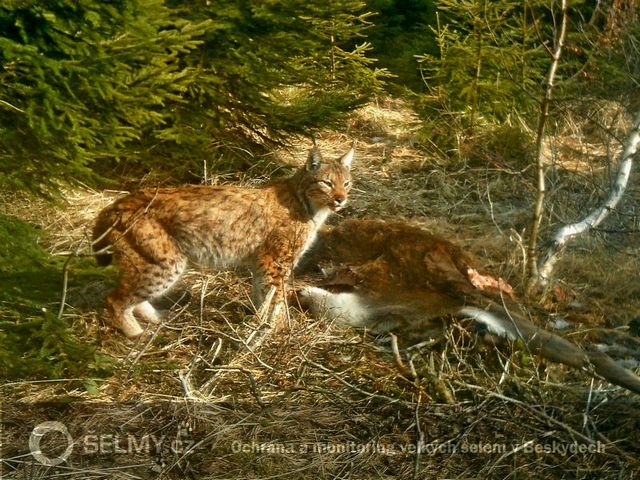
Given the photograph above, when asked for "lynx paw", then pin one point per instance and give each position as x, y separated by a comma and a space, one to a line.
147, 313
129, 325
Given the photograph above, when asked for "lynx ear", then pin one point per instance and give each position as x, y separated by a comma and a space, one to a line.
315, 159
347, 158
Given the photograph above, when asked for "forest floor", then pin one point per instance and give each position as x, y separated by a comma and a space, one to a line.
325, 401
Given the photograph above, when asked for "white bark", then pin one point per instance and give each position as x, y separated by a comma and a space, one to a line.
599, 214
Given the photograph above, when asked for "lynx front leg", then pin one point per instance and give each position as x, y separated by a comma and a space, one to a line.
268, 300
271, 305
268, 295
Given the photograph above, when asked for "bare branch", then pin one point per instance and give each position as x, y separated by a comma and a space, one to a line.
540, 157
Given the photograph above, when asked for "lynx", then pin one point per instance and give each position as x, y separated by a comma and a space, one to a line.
396, 277
154, 234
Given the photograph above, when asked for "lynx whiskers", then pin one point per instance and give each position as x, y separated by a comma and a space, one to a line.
155, 234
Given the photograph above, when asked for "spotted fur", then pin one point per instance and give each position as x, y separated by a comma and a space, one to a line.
154, 234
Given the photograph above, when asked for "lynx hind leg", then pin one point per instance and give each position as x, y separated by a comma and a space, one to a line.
123, 319
136, 287
346, 308
150, 264
146, 312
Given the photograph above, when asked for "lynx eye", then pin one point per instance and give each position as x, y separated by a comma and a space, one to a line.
326, 183
347, 184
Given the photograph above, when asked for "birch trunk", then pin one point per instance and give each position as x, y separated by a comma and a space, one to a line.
596, 217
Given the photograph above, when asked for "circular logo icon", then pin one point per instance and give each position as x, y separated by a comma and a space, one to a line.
40, 431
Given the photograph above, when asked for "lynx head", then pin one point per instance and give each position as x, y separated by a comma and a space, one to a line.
326, 184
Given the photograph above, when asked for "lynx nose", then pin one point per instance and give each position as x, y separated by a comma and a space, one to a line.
339, 202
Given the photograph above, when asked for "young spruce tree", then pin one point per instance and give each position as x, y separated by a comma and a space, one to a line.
265, 69
81, 80
86, 85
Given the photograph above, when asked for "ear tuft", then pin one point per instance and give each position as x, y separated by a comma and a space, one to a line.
315, 159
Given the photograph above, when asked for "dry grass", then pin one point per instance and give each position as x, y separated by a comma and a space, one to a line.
322, 401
